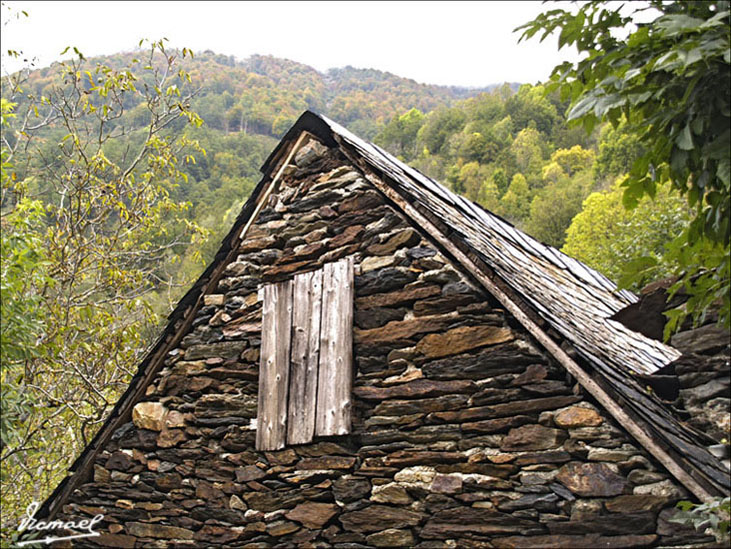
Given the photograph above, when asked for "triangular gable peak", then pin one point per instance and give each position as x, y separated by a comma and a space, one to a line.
549, 293
526, 277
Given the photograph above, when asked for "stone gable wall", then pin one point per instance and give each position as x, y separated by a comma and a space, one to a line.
464, 433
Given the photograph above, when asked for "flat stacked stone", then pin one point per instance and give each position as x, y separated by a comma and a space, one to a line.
465, 434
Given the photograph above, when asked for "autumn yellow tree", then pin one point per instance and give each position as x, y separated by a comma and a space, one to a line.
89, 233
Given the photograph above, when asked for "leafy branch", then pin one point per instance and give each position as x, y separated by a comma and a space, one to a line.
669, 79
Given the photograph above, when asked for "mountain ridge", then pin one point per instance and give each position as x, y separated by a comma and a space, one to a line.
264, 94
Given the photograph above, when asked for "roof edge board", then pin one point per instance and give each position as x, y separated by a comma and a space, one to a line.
586, 381
178, 323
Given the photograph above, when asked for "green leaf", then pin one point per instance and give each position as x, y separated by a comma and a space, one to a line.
724, 171
684, 140
693, 196
589, 122
665, 61
685, 505
692, 56
637, 270
698, 124
629, 199
632, 73
639, 37
678, 23
582, 107
639, 98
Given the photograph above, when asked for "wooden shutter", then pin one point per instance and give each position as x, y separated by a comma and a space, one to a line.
305, 356
306, 370
276, 330
336, 350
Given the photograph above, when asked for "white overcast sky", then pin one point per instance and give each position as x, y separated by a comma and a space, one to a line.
451, 43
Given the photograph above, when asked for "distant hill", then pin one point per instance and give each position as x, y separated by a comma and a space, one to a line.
264, 95
268, 93
246, 105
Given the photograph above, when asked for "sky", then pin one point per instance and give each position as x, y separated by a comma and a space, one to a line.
448, 43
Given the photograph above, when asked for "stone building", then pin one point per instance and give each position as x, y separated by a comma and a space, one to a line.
373, 361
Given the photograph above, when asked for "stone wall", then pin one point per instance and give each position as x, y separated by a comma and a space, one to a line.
704, 373
464, 433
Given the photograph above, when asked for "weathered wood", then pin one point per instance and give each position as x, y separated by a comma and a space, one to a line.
274, 369
265, 195
305, 355
336, 350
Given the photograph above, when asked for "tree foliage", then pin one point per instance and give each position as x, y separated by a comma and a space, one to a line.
617, 151
90, 232
554, 207
607, 236
399, 135
669, 78
713, 517
515, 202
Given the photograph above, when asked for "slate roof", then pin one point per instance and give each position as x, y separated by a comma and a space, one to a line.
573, 299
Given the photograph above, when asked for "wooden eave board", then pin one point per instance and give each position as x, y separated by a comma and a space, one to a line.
543, 279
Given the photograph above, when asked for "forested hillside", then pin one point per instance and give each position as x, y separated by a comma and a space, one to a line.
264, 95
244, 107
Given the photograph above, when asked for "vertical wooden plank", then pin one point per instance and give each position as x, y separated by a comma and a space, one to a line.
274, 368
336, 350
307, 300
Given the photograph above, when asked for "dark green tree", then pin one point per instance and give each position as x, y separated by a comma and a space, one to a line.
399, 135
618, 149
439, 125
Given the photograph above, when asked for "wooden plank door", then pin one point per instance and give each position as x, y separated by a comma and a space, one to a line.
336, 350
305, 355
274, 369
